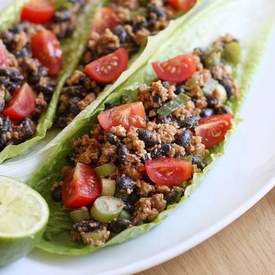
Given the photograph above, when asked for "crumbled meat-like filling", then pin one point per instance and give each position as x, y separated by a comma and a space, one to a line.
137, 20
22, 68
166, 136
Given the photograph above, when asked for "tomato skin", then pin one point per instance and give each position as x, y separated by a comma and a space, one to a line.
108, 68
22, 103
177, 69
38, 11
80, 188
104, 18
168, 171
128, 115
47, 49
213, 129
4, 60
182, 5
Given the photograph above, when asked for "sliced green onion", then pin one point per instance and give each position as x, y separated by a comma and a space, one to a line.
106, 208
173, 105
80, 214
108, 187
105, 170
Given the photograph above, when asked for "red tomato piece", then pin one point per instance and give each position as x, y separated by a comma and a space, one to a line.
4, 60
127, 115
105, 18
213, 129
177, 69
38, 11
182, 5
168, 171
46, 48
80, 188
108, 68
22, 103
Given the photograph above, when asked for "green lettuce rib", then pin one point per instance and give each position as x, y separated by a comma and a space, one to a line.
181, 36
73, 49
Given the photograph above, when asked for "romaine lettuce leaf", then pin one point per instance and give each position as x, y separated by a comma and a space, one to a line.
73, 50
242, 18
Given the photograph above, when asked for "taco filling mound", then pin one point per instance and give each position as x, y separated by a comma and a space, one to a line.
120, 30
31, 58
142, 155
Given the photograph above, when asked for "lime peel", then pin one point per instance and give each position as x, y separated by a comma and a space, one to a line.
23, 219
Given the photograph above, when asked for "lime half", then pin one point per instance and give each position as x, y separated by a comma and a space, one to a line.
23, 218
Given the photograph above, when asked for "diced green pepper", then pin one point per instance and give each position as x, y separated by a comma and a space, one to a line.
173, 105
232, 52
105, 170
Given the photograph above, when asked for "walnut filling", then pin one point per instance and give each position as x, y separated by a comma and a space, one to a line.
172, 135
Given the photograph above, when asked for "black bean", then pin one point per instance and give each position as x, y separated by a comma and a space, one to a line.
137, 25
86, 226
125, 185
165, 119
174, 195
27, 127
228, 87
184, 138
157, 99
122, 152
212, 101
164, 150
112, 138
117, 226
198, 161
23, 53
2, 104
157, 10
179, 90
62, 16
74, 107
45, 89
7, 38
207, 112
56, 194
190, 122
121, 33
147, 136
221, 110
5, 124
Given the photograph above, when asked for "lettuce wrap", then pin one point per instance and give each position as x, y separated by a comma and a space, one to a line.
73, 49
247, 23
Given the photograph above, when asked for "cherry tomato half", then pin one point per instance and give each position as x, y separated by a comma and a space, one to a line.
127, 115
46, 48
182, 5
168, 171
38, 11
81, 188
4, 60
22, 103
104, 18
213, 129
108, 68
177, 69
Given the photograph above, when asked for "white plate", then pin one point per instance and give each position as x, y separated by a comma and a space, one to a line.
236, 182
